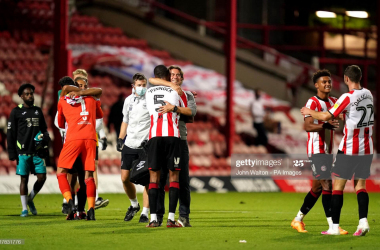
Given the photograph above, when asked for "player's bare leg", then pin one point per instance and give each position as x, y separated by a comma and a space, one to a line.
144, 217
363, 201
23, 194
130, 190
41, 178
153, 196
99, 201
65, 189
173, 198
91, 194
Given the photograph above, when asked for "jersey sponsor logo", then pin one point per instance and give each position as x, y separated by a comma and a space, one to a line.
28, 122
176, 160
84, 118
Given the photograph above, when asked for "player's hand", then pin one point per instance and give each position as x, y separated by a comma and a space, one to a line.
73, 94
305, 111
103, 142
341, 117
194, 93
167, 108
120, 144
177, 88
332, 124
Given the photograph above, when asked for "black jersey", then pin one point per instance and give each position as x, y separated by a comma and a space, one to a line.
23, 125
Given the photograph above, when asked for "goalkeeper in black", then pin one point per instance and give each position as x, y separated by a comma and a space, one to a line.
27, 131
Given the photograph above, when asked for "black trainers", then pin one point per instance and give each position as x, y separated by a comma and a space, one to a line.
184, 221
91, 214
143, 219
153, 224
70, 210
65, 208
99, 203
160, 219
131, 212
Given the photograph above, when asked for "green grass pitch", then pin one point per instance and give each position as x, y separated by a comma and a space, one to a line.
219, 221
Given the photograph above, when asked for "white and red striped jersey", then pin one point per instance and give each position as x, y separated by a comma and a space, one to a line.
320, 142
358, 111
162, 125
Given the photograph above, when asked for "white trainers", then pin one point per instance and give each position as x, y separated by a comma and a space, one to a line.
362, 230
331, 232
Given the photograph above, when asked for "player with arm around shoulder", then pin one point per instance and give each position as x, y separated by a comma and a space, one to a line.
356, 148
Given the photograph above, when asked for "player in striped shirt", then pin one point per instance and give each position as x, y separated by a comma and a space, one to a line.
164, 145
319, 147
356, 148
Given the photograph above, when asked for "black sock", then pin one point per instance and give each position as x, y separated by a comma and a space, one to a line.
309, 202
336, 205
153, 196
173, 196
38, 185
363, 201
82, 197
326, 202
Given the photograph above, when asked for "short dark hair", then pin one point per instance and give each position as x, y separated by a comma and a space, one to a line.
23, 87
66, 81
320, 73
138, 77
161, 71
354, 73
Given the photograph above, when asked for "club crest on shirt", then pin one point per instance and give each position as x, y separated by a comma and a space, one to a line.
323, 168
36, 112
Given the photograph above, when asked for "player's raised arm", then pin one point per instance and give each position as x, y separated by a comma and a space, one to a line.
321, 116
162, 82
60, 117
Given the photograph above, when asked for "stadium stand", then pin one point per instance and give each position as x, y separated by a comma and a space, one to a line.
24, 56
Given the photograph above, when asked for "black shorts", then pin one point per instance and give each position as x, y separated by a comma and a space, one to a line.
97, 153
77, 167
164, 152
347, 165
321, 166
128, 155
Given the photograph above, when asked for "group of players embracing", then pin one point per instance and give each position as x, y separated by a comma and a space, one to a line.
154, 116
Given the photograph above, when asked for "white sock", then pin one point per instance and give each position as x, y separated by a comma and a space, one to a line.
171, 216
299, 216
335, 227
145, 211
134, 202
329, 220
64, 201
24, 202
76, 200
153, 217
32, 195
97, 196
363, 221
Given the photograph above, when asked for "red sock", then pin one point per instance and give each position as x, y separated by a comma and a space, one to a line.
91, 192
64, 186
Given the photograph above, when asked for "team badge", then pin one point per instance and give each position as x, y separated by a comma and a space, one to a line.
36, 112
